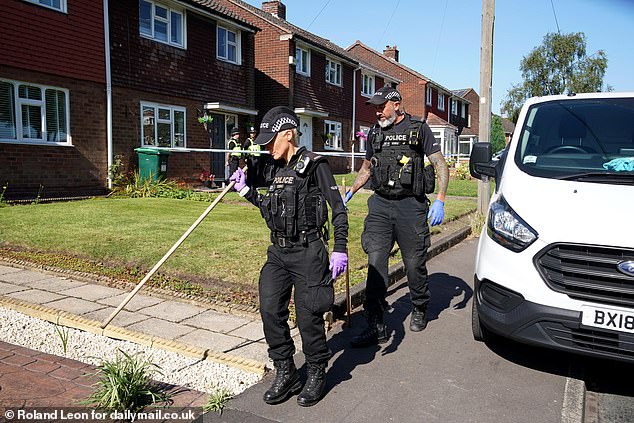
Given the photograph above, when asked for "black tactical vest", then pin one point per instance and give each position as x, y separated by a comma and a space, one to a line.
396, 168
293, 203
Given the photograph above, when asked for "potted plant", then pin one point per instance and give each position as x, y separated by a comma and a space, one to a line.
207, 178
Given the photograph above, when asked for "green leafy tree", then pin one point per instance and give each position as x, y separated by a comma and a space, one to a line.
498, 141
558, 66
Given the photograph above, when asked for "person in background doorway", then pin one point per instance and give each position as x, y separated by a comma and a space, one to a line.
252, 159
233, 158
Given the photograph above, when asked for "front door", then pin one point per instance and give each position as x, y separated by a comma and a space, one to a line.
306, 128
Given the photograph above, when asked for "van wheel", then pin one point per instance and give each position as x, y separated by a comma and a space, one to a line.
480, 333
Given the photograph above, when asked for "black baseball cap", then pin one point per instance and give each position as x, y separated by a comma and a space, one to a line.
275, 120
384, 94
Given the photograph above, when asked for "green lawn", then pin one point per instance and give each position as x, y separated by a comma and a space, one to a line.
457, 187
229, 246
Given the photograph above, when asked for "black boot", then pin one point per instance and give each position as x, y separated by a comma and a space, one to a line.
286, 382
418, 322
375, 333
314, 387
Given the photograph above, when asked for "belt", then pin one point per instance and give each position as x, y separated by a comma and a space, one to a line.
302, 239
394, 196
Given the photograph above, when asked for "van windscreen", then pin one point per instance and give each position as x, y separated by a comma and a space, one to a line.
579, 138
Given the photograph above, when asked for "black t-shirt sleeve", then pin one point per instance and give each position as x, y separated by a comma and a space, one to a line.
369, 150
430, 143
330, 190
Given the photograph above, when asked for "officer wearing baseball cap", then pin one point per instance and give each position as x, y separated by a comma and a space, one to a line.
295, 208
399, 208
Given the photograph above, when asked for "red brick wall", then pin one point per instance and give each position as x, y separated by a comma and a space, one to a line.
44, 40
194, 72
473, 109
62, 170
366, 114
126, 132
412, 88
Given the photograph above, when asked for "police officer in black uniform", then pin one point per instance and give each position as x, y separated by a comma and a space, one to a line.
398, 210
252, 159
295, 208
233, 143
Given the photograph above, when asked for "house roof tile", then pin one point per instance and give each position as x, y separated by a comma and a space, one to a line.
217, 8
435, 120
296, 31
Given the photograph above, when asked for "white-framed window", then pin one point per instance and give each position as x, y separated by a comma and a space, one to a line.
454, 107
333, 72
302, 61
441, 101
162, 125
229, 45
332, 132
59, 5
161, 23
32, 113
367, 85
463, 112
428, 96
362, 141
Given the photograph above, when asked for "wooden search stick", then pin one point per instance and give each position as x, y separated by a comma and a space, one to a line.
343, 185
169, 253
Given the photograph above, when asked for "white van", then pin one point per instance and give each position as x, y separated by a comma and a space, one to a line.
555, 261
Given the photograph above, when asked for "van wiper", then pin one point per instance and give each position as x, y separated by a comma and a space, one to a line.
624, 178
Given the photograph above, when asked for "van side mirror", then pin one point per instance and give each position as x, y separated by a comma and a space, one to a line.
480, 161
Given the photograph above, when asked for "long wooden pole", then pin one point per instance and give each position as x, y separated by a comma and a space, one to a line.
348, 308
486, 77
166, 256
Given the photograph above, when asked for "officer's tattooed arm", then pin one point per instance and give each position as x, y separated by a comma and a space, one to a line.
442, 171
362, 177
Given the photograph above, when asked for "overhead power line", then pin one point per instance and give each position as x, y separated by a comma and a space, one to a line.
555, 14
388, 22
315, 18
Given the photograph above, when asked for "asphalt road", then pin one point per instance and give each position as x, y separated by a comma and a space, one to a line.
438, 375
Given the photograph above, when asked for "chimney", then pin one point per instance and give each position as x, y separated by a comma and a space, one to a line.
391, 52
275, 8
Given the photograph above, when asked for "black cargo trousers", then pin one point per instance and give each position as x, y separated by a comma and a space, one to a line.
304, 266
404, 221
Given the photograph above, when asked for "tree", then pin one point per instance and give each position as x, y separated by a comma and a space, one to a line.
498, 141
558, 66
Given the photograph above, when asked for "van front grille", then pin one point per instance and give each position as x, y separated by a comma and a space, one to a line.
587, 272
592, 340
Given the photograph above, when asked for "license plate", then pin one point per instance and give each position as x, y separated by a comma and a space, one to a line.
607, 318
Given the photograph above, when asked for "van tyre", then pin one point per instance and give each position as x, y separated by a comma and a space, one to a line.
480, 333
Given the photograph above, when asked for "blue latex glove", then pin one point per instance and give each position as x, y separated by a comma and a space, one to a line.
347, 197
338, 263
436, 213
240, 180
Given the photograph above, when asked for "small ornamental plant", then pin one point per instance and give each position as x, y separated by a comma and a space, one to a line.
361, 135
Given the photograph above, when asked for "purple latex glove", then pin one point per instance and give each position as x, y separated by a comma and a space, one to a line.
436, 213
338, 263
240, 180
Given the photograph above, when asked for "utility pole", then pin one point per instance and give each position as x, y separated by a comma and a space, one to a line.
486, 77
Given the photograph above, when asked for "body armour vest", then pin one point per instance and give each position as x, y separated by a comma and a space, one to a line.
292, 204
396, 168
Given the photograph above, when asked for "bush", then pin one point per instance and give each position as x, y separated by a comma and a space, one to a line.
462, 171
125, 384
160, 188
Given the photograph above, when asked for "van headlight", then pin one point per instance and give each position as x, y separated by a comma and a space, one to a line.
508, 229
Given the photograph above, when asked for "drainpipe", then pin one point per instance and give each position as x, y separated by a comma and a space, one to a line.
354, 113
106, 29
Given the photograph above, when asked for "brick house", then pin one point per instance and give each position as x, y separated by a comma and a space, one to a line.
421, 95
471, 132
52, 98
171, 63
305, 72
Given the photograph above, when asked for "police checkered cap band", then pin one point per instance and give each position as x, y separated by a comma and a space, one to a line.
384, 94
275, 120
